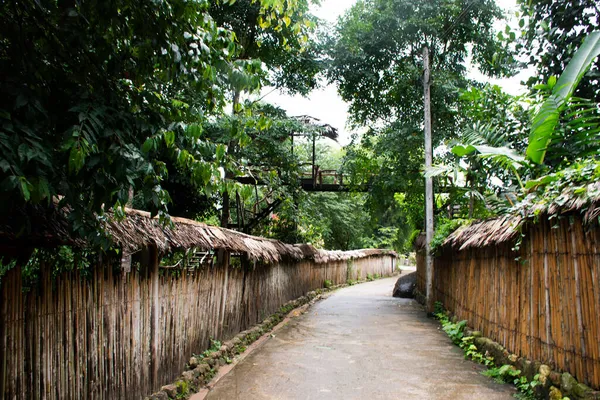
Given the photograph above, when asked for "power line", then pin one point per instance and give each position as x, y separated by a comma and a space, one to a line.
457, 20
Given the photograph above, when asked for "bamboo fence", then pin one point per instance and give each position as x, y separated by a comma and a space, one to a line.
119, 335
541, 302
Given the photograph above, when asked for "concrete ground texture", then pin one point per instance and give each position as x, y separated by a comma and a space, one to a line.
359, 343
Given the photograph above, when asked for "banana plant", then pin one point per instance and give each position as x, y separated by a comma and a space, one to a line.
481, 142
486, 142
504, 157
546, 119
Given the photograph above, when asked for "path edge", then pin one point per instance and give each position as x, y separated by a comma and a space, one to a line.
201, 375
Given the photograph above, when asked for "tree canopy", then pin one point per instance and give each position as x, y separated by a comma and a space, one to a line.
101, 98
108, 103
552, 31
377, 64
377, 57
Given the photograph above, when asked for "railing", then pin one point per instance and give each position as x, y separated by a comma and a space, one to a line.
320, 177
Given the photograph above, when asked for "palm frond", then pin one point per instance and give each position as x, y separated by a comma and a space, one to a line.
484, 134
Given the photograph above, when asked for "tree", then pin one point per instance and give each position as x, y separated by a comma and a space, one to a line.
263, 158
377, 65
94, 91
281, 45
553, 30
87, 83
377, 61
284, 44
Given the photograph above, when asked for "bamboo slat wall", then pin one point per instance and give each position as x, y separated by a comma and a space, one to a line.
124, 335
544, 307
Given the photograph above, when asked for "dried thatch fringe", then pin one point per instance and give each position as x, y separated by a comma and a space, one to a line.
139, 230
485, 233
506, 229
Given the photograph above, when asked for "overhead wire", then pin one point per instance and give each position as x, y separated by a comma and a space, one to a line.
457, 19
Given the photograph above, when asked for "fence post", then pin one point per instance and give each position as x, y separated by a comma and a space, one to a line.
224, 264
154, 278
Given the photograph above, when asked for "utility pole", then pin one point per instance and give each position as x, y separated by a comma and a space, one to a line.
428, 184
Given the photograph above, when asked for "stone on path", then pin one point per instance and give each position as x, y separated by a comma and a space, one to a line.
405, 286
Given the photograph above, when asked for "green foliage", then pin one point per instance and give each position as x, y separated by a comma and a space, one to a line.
504, 373
327, 220
327, 284
556, 188
552, 30
239, 349
492, 117
509, 374
455, 330
377, 64
215, 345
98, 88
388, 163
109, 98
6, 264
564, 128
60, 260
281, 37
527, 388
183, 389
485, 168
378, 51
443, 229
472, 353
384, 237
210, 374
547, 118
410, 242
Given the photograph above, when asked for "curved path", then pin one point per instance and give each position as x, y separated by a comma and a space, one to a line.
359, 343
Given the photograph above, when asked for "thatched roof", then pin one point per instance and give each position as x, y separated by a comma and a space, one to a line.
485, 233
326, 129
139, 230
571, 200
505, 229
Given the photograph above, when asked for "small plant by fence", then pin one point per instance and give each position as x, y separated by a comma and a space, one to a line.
540, 301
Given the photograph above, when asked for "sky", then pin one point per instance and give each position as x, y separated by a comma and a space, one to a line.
326, 105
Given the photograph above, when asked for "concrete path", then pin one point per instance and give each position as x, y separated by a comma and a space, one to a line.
360, 343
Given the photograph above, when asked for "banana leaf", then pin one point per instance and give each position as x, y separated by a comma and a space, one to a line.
546, 119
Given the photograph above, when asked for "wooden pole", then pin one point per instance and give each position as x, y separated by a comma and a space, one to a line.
428, 183
314, 159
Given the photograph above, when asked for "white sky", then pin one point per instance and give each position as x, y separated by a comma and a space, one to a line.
326, 105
